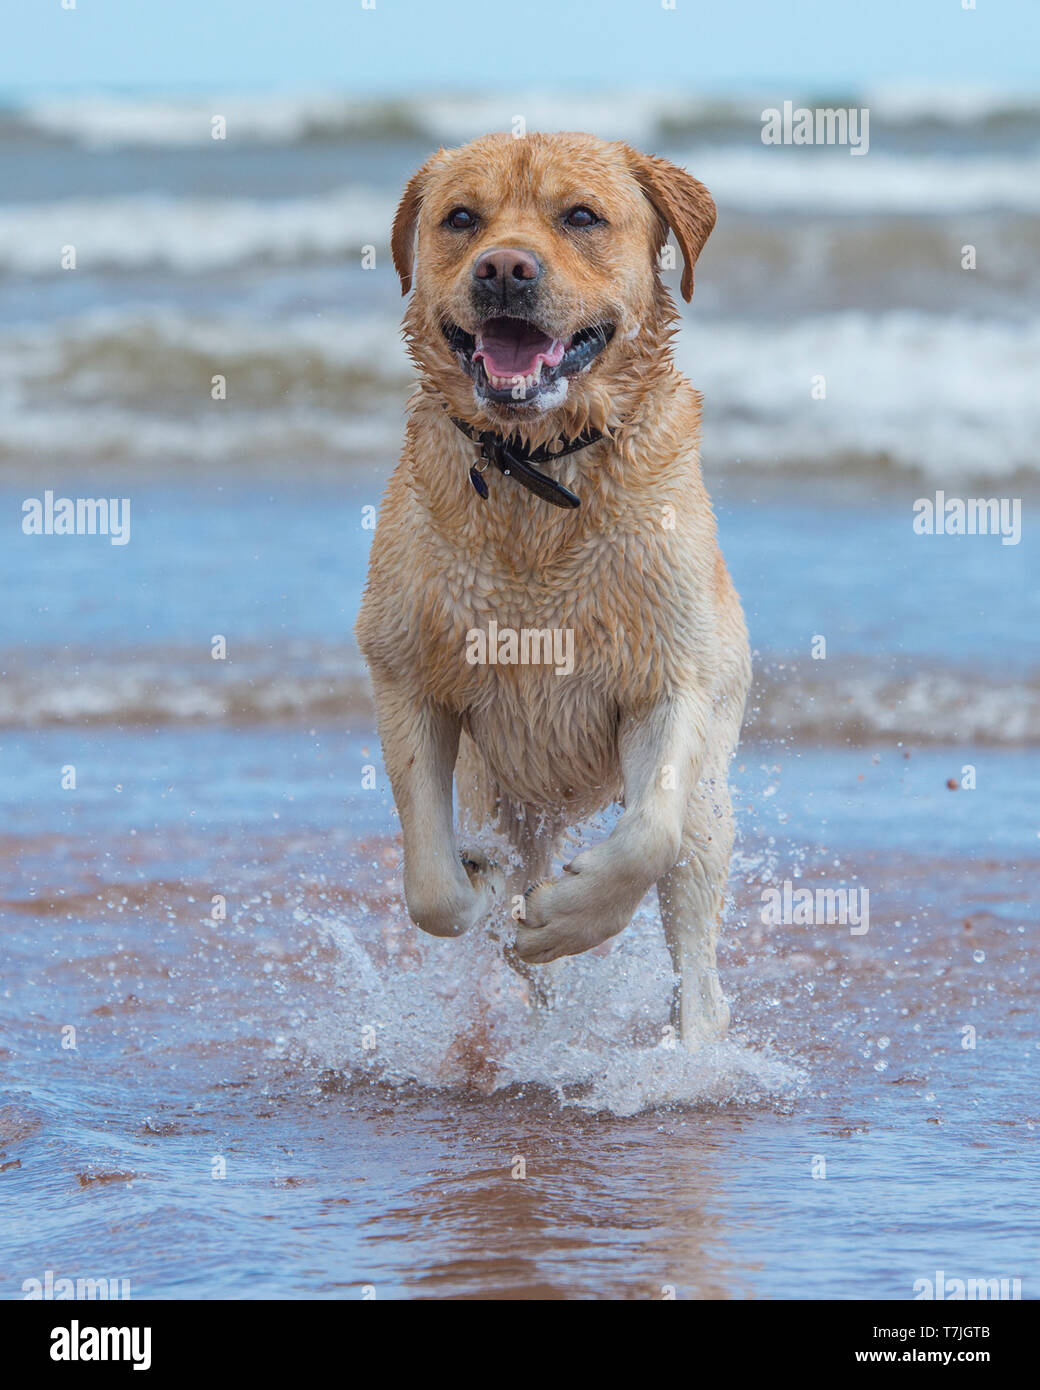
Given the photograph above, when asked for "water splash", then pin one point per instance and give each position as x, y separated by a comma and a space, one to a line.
450, 1014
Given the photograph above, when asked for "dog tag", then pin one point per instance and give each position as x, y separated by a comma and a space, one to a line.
477, 479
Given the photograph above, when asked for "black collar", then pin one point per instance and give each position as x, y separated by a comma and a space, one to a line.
511, 458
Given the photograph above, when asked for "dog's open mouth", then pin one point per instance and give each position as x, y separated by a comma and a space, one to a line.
512, 360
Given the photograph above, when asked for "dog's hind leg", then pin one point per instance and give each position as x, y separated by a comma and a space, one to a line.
535, 836
691, 897
532, 836
477, 800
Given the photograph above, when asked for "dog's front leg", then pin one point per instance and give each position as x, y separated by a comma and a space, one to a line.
420, 744
661, 752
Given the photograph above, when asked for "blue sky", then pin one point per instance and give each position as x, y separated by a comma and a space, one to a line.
460, 45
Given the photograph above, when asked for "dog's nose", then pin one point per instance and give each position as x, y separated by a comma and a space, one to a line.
509, 268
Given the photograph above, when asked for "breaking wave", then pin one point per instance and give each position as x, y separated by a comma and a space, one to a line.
204, 234
801, 705
98, 120
908, 392
190, 235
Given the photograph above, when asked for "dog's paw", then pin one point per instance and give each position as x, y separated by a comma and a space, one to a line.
571, 914
700, 1009
446, 908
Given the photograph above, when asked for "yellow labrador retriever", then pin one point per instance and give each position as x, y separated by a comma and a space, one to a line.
548, 619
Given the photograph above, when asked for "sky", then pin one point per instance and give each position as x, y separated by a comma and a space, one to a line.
404, 46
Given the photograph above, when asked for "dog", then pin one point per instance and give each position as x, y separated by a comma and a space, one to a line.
541, 329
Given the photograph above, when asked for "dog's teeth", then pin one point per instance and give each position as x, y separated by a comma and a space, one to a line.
510, 383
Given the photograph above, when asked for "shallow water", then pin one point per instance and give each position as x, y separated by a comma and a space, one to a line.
370, 1090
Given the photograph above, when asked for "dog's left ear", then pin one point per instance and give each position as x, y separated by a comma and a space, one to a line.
682, 202
402, 238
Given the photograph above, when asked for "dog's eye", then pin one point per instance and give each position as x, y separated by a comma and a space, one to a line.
461, 219
581, 217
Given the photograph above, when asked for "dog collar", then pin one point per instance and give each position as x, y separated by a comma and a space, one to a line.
511, 458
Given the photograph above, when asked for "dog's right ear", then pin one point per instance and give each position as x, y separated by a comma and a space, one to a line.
402, 238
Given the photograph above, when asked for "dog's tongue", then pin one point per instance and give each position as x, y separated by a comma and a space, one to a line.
512, 347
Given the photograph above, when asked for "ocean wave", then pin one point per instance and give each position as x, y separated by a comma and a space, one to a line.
190, 235
166, 688
796, 703
289, 436
932, 706
832, 180
941, 396
950, 103
196, 235
148, 357
137, 387
101, 120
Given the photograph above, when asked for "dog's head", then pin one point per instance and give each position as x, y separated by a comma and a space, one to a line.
538, 303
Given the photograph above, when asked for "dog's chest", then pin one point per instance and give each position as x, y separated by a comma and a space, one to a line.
548, 739
502, 628
539, 662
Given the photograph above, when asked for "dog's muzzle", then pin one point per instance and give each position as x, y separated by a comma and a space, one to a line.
514, 362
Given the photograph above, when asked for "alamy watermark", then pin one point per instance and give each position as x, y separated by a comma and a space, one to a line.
820, 125
943, 1288
972, 516
788, 906
528, 646
51, 1286
78, 1342
77, 516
